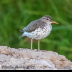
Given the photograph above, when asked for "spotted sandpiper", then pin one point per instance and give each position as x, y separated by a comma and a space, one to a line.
38, 29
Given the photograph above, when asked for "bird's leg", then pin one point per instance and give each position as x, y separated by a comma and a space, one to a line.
31, 43
38, 45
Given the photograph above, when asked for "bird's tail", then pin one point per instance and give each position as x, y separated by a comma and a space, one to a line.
21, 30
22, 35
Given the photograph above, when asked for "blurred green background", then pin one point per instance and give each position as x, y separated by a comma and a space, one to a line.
16, 14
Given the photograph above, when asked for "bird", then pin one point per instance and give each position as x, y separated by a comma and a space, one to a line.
38, 29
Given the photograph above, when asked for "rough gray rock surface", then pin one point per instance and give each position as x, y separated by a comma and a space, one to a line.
26, 59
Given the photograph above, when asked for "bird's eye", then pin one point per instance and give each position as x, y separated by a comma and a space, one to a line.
47, 19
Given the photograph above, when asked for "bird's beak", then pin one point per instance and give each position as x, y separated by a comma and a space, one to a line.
54, 22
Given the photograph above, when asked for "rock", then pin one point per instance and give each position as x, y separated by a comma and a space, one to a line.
26, 59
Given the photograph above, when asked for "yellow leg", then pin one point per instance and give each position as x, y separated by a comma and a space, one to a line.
31, 43
38, 45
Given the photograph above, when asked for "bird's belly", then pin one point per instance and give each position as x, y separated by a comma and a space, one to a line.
40, 33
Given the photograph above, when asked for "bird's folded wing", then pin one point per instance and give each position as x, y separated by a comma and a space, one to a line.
34, 25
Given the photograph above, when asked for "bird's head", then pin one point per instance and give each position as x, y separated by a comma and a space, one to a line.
48, 19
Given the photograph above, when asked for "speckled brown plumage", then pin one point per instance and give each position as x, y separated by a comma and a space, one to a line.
36, 24
38, 29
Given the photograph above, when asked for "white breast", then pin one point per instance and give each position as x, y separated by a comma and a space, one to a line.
39, 33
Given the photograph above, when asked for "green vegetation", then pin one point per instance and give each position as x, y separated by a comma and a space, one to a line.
16, 14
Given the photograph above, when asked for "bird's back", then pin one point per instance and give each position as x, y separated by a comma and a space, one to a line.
34, 25
36, 28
